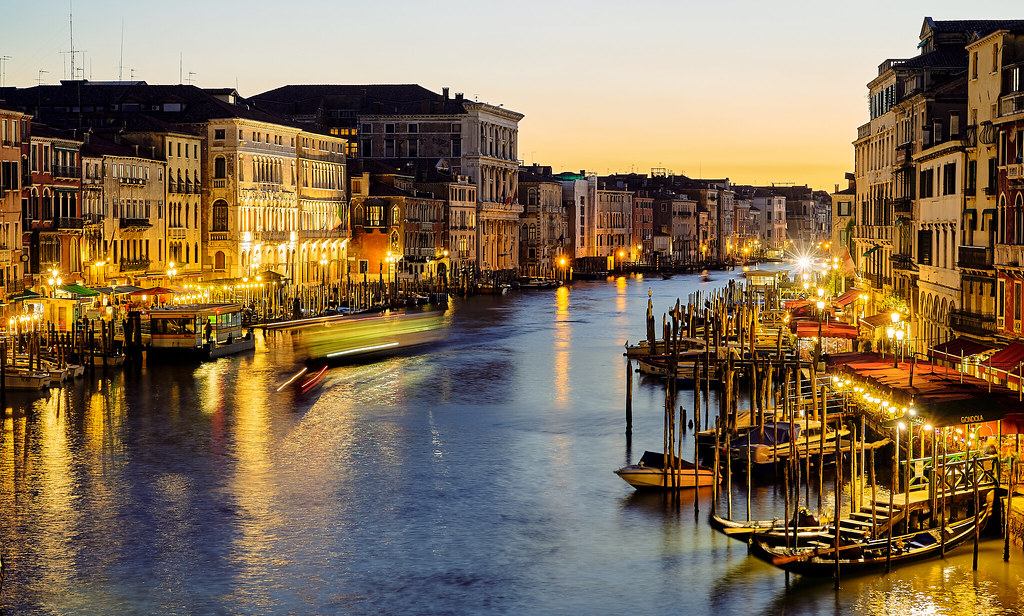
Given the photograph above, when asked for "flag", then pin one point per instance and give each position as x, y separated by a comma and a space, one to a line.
337, 222
849, 267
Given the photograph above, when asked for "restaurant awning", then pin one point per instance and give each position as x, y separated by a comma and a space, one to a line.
808, 328
77, 289
953, 350
26, 294
878, 320
153, 291
961, 410
1008, 358
847, 298
121, 289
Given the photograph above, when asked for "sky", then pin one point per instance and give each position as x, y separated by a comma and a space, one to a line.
759, 92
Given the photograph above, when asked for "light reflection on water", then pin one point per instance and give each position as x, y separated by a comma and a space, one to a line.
473, 479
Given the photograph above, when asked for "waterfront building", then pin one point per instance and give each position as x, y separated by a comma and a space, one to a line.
1006, 50
774, 236
51, 207
378, 202
458, 241
323, 225
543, 227
842, 219
643, 228
13, 130
910, 166
179, 229
123, 212
408, 124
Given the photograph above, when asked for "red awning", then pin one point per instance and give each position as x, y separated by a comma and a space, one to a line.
878, 320
953, 350
847, 298
796, 303
1006, 359
808, 328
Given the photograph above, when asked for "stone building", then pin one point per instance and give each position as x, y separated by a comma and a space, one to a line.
13, 131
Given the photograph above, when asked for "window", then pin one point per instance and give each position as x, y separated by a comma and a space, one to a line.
844, 208
456, 147
924, 247
927, 183
220, 216
367, 128
971, 184
366, 150
414, 128
456, 128
949, 179
389, 148
220, 170
974, 65
389, 128
414, 147
218, 133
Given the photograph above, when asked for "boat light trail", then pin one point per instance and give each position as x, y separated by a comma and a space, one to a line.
292, 380
363, 349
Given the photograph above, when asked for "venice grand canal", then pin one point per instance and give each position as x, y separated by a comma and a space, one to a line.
472, 478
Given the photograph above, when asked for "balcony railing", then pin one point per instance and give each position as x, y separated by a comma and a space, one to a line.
313, 234
132, 265
221, 183
68, 223
271, 236
133, 181
134, 223
220, 236
972, 323
902, 262
62, 171
974, 257
903, 205
1008, 255
1011, 104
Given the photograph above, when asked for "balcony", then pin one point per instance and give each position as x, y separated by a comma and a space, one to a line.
134, 223
974, 257
1014, 172
864, 130
903, 205
972, 323
134, 265
92, 219
68, 223
220, 236
315, 234
903, 262
1008, 255
61, 171
132, 181
1012, 104
176, 233
271, 236
220, 183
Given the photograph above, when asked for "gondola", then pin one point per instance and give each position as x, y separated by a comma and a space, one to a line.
868, 555
804, 528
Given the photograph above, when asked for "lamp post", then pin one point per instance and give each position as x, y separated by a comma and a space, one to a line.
891, 334
821, 343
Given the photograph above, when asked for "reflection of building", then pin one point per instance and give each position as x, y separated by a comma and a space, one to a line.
13, 130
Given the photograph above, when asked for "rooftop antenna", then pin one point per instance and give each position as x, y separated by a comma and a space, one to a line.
190, 74
39, 79
3, 73
120, 59
71, 34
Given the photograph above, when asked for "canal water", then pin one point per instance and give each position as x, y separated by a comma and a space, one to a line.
474, 477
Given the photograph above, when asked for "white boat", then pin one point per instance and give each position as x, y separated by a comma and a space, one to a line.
75, 370
28, 380
649, 474
112, 359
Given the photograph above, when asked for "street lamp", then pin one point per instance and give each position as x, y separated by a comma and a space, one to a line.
821, 311
54, 281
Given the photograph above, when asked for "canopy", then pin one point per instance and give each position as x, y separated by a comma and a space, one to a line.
153, 291
1009, 358
77, 289
808, 328
26, 294
121, 289
847, 298
953, 350
878, 320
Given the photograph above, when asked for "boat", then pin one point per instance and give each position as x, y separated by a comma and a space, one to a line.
803, 528
25, 380
538, 283
207, 331
643, 347
704, 276
649, 474
780, 439
818, 558
108, 359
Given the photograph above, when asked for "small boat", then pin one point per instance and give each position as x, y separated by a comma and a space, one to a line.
704, 276
650, 474
111, 359
25, 380
803, 528
777, 442
818, 558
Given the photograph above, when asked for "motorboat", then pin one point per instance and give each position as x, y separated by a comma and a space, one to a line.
781, 439
26, 380
649, 474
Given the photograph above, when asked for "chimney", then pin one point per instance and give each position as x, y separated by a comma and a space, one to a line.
458, 97
444, 91
362, 96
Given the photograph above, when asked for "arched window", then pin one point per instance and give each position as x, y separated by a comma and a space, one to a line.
218, 260
220, 215
186, 254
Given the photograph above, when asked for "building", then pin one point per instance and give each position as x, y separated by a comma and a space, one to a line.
543, 226
13, 131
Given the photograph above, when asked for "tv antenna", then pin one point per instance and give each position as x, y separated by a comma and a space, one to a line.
39, 79
3, 72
